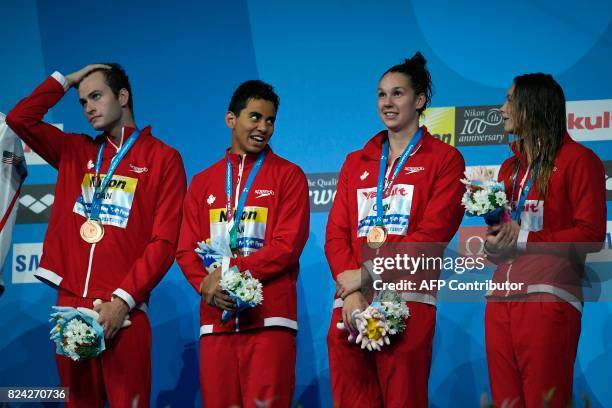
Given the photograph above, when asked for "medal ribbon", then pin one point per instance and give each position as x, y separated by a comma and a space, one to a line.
243, 196
96, 201
380, 190
516, 214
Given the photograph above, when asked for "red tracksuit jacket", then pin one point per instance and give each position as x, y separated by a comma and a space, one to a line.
425, 202
274, 228
141, 211
572, 212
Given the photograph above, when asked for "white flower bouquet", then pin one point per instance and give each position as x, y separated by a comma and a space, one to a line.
76, 334
485, 197
383, 318
212, 252
243, 288
395, 310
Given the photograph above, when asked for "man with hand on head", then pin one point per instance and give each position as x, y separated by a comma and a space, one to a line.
249, 360
113, 229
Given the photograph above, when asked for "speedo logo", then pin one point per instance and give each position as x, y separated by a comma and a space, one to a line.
138, 170
395, 191
264, 193
412, 170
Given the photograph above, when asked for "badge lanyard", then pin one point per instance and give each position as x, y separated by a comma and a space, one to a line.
380, 190
516, 214
96, 201
236, 218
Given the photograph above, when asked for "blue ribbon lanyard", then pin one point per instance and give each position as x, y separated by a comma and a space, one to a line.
380, 190
96, 201
516, 214
237, 217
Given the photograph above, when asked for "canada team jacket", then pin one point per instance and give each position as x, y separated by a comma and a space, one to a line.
423, 206
141, 208
273, 232
558, 230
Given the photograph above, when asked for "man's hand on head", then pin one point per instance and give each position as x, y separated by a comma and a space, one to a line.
76, 77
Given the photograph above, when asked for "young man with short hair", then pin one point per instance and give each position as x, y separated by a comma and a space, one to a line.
250, 359
113, 229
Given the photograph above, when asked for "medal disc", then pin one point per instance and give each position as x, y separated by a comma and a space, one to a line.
92, 231
377, 236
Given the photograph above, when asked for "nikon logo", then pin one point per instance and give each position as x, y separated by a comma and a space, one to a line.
97, 182
246, 216
479, 125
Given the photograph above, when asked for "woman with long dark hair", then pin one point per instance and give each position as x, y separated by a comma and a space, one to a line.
556, 187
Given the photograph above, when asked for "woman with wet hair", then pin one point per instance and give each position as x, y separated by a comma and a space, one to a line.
556, 189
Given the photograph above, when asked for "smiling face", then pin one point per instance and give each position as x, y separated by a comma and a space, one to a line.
508, 113
397, 102
253, 127
102, 108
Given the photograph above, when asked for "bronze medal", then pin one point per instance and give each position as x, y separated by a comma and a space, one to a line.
376, 236
92, 231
